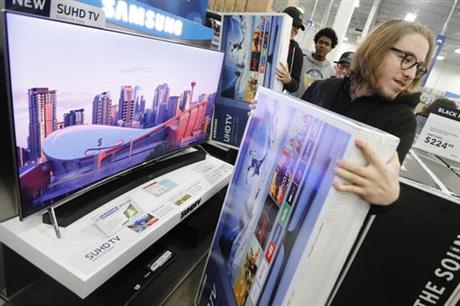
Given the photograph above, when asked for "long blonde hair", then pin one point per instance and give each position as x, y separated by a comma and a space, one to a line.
369, 55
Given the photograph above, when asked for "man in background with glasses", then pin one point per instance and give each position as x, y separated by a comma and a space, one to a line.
342, 66
380, 91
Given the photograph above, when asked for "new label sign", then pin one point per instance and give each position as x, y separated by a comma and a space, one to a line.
36, 7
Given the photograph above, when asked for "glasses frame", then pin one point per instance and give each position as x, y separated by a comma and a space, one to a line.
421, 69
343, 65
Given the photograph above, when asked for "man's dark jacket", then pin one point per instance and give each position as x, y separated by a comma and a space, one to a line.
295, 62
395, 117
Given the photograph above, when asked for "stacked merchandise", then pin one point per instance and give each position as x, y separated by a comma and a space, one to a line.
240, 5
253, 46
215, 24
284, 233
246, 40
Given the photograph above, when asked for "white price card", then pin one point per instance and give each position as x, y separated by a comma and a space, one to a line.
441, 134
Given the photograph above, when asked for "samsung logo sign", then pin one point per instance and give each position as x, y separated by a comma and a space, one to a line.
140, 16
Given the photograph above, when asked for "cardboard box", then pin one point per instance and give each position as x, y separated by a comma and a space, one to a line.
240, 5
254, 44
285, 233
219, 5
229, 123
212, 5
259, 6
229, 5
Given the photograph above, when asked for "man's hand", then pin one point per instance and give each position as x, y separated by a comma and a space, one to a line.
282, 74
377, 182
252, 107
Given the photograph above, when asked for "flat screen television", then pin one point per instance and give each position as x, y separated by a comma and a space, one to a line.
88, 104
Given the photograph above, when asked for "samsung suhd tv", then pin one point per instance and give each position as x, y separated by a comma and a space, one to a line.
88, 104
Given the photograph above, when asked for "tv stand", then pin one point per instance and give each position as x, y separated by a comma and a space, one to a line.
69, 212
86, 257
134, 284
52, 217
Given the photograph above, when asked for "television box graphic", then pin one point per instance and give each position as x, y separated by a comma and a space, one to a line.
284, 232
229, 122
254, 45
88, 104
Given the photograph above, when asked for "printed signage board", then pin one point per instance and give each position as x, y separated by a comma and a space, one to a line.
441, 134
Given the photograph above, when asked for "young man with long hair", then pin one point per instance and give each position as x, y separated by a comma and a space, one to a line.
385, 74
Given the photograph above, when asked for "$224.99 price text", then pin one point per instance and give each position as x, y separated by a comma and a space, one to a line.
438, 143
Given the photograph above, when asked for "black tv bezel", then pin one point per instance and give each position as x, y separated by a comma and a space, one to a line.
7, 95
9, 178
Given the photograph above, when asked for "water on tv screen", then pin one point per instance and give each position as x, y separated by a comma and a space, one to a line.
89, 103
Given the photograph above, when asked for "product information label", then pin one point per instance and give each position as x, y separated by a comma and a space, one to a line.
159, 188
441, 134
76, 12
114, 218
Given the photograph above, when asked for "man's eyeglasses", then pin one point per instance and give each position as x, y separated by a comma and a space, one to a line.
343, 65
408, 60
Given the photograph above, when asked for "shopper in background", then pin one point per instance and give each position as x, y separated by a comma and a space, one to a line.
422, 116
385, 73
433, 106
289, 73
342, 66
315, 65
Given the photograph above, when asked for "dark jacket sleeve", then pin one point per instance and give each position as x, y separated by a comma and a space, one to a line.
404, 127
296, 59
311, 94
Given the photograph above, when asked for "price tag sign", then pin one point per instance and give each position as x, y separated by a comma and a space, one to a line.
441, 134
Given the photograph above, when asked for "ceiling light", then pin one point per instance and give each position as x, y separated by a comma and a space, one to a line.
440, 57
410, 17
457, 50
345, 38
356, 4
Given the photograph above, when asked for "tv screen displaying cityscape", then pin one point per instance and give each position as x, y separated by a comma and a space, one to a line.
89, 103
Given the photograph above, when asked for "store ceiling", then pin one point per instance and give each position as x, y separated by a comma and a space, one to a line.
432, 13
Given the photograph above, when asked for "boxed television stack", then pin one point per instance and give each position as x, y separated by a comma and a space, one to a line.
285, 233
240, 5
253, 44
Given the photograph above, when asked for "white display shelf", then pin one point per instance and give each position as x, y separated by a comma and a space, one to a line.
85, 257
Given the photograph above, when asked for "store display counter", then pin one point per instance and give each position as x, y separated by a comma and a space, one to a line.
411, 253
86, 257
